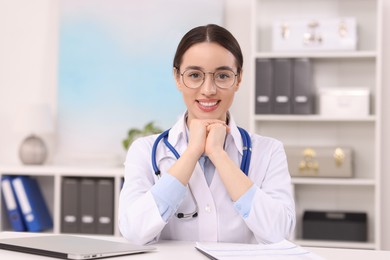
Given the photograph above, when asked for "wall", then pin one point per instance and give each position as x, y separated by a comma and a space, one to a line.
28, 48
28, 66
385, 130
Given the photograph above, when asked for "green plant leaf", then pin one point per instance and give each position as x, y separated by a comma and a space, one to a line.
134, 133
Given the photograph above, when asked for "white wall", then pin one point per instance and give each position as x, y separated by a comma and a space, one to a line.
28, 72
386, 129
28, 65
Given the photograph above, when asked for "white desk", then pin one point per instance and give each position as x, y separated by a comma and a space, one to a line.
186, 250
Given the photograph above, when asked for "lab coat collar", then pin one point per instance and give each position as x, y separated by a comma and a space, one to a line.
235, 134
178, 132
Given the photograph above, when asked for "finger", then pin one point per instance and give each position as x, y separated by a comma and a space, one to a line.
220, 123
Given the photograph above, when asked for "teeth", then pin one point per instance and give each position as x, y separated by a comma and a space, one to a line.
208, 104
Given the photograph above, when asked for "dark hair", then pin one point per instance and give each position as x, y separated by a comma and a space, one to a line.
209, 33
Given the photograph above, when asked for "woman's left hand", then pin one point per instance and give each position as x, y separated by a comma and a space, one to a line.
216, 134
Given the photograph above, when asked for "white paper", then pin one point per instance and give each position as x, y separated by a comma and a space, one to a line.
234, 251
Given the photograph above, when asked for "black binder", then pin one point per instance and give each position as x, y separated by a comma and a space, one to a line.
69, 205
282, 86
105, 206
303, 93
263, 93
88, 206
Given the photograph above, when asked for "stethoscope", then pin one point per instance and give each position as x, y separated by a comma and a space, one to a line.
246, 158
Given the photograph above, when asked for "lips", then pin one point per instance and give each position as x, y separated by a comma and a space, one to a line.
208, 106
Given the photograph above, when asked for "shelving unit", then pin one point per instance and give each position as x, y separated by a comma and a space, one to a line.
50, 179
344, 69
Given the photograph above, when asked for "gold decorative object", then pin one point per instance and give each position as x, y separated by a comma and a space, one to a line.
309, 163
339, 156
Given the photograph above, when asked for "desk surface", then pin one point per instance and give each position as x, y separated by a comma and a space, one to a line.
186, 250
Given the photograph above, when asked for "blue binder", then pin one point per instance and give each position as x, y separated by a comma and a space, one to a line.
34, 209
12, 205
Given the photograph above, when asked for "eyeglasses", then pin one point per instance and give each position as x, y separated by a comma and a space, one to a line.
194, 78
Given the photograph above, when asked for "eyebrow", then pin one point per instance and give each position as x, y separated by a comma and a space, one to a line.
218, 68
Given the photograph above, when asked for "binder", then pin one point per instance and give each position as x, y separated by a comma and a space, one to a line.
87, 206
282, 84
105, 206
263, 93
303, 94
69, 205
33, 206
12, 205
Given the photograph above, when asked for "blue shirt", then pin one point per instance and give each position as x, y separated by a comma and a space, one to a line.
169, 191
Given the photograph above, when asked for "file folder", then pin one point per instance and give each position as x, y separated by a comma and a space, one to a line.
87, 206
12, 206
303, 93
263, 93
32, 203
70, 205
282, 86
105, 206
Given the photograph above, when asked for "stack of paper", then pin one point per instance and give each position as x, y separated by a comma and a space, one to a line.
232, 251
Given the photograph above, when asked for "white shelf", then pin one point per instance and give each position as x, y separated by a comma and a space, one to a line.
50, 179
359, 68
50, 170
333, 181
322, 55
312, 118
333, 244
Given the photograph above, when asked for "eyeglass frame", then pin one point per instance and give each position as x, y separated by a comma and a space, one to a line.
204, 76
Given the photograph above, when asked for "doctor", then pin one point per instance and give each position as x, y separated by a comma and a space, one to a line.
197, 190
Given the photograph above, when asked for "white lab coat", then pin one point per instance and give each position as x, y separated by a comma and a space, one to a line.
272, 215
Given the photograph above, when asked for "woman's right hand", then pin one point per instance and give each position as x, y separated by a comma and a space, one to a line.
197, 136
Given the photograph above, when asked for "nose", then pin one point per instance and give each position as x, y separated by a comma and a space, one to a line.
208, 87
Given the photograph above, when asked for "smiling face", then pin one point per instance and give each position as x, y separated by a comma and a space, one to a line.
208, 101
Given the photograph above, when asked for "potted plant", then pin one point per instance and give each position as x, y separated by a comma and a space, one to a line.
134, 133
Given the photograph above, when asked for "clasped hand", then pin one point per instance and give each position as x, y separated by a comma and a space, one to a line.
207, 136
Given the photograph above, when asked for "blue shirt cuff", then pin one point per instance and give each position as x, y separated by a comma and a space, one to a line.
168, 193
244, 203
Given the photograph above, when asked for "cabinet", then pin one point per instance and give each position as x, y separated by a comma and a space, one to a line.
361, 67
50, 180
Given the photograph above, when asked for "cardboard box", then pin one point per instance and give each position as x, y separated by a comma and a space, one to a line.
344, 102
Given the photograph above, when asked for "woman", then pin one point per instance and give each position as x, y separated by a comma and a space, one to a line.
187, 199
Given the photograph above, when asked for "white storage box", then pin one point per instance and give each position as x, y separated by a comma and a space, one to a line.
344, 102
327, 34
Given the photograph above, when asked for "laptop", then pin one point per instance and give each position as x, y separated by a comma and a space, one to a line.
71, 247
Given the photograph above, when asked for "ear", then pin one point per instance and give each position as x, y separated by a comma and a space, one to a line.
238, 83
176, 74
